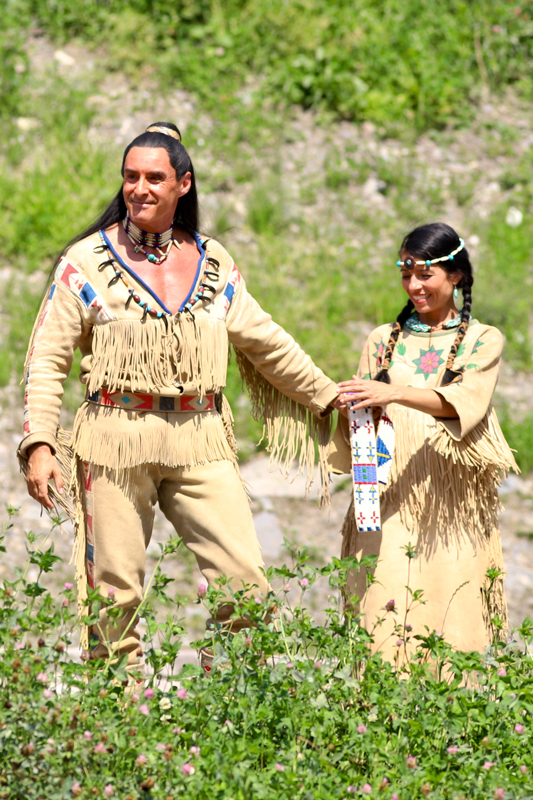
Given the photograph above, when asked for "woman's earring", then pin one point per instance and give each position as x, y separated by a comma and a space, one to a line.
455, 292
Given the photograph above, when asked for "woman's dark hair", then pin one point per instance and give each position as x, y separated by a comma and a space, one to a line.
187, 213
435, 240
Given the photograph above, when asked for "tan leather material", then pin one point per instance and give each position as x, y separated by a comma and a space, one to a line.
339, 458
178, 355
208, 508
441, 498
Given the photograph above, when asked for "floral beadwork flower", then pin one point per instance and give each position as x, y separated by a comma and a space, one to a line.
428, 362
378, 355
477, 345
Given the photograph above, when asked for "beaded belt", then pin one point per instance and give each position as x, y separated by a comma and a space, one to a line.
136, 401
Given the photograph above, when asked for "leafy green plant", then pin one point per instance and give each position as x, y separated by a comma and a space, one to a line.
13, 64
389, 61
291, 708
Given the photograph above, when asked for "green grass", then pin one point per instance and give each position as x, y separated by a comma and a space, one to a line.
53, 181
292, 710
419, 62
519, 434
503, 289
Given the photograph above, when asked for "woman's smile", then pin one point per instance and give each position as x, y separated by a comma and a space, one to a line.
430, 288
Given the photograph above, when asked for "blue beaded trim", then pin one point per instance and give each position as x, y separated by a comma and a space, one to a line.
211, 272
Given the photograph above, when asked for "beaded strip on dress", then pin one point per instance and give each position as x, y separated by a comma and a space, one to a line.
371, 463
211, 271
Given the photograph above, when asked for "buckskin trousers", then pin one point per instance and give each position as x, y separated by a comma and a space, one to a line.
207, 506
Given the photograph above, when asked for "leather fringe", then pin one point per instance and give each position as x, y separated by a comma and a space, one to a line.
349, 534
228, 422
63, 454
451, 484
433, 477
71, 503
108, 437
79, 548
485, 446
290, 429
149, 357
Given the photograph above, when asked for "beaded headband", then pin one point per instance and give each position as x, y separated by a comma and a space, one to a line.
409, 261
166, 131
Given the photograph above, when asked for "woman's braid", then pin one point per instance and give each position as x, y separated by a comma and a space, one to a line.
451, 375
403, 316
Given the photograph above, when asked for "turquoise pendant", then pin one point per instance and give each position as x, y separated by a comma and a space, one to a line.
152, 258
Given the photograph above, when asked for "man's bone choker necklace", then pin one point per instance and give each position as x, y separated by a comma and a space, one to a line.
141, 239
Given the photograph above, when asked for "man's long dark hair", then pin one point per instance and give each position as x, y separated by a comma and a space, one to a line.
187, 214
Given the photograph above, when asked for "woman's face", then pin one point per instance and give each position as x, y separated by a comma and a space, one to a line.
430, 288
151, 189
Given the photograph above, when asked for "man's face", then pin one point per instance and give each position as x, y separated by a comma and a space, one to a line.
151, 189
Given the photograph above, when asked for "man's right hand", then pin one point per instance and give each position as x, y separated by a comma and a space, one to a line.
42, 467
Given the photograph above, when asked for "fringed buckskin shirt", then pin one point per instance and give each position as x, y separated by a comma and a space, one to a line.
181, 354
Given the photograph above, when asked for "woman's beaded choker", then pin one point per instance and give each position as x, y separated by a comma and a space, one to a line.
413, 323
428, 262
141, 239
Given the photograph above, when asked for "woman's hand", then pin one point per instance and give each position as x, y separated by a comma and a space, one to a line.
42, 467
374, 393
364, 393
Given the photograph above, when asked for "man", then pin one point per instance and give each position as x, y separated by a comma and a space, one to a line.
152, 306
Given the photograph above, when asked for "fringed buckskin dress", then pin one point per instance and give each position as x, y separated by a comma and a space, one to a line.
441, 497
155, 426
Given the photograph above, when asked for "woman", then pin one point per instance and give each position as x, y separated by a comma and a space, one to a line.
434, 370
152, 305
